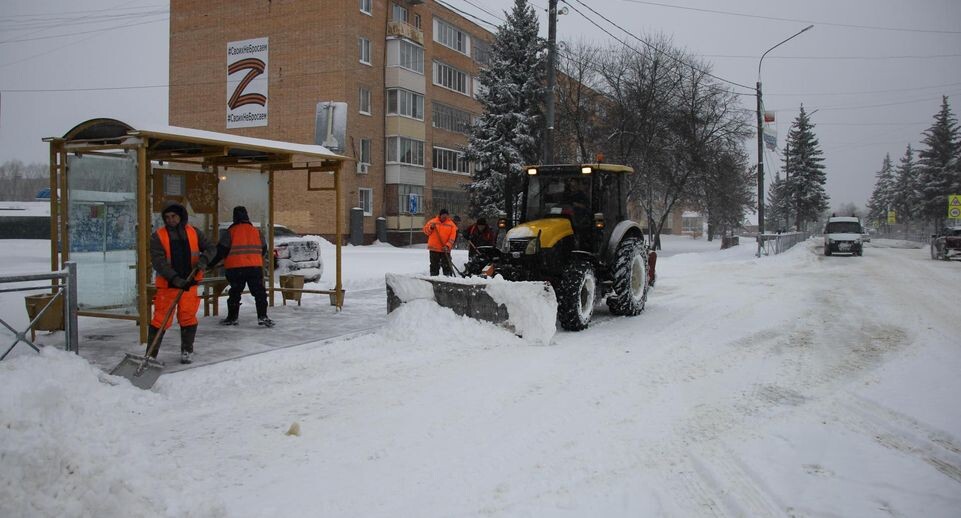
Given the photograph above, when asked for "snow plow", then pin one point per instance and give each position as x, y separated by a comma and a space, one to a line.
574, 236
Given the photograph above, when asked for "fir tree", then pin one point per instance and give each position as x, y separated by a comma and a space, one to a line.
883, 196
938, 165
778, 208
904, 199
803, 164
507, 135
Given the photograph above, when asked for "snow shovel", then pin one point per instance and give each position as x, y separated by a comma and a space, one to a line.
450, 262
143, 371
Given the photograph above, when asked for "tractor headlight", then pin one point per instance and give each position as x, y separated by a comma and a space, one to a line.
533, 246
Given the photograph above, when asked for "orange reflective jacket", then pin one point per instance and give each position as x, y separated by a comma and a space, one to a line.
246, 247
443, 234
192, 241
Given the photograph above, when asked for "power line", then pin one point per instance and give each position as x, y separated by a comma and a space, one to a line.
465, 13
894, 90
646, 43
797, 20
54, 36
837, 58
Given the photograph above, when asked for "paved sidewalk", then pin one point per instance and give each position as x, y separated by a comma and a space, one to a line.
103, 342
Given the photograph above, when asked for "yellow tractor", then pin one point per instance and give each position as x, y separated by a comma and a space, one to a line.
574, 233
572, 247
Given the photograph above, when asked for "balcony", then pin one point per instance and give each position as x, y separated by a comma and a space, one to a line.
404, 30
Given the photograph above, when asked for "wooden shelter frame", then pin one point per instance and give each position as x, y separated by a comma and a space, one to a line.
209, 151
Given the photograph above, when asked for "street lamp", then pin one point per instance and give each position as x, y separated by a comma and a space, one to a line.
760, 140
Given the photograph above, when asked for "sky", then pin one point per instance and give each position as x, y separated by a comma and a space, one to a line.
723, 398
871, 72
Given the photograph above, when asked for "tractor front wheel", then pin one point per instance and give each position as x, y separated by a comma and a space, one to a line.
576, 296
630, 278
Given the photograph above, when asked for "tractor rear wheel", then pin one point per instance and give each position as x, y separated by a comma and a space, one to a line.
630, 278
576, 295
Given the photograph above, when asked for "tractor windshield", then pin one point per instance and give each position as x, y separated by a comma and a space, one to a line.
558, 196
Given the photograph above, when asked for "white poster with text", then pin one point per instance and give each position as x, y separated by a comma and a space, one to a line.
247, 83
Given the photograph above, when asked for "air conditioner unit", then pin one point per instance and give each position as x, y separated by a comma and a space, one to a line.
362, 168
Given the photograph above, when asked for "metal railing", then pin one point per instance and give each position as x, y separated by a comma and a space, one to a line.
65, 289
773, 244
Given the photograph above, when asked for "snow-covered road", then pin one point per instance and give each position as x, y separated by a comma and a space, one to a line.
795, 385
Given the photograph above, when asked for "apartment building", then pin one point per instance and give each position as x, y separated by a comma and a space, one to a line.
390, 83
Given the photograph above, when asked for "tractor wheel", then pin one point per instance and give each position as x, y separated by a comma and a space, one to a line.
630, 278
576, 295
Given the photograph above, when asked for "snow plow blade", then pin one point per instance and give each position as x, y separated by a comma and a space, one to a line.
528, 309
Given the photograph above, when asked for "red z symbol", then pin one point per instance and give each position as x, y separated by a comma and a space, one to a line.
256, 68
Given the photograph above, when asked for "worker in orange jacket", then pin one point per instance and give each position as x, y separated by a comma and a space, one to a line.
243, 249
441, 234
175, 249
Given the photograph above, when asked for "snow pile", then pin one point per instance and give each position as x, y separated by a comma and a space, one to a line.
531, 306
67, 449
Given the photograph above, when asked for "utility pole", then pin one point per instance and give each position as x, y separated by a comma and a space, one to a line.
551, 59
760, 141
760, 161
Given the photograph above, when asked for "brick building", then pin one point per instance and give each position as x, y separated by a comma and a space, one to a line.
389, 83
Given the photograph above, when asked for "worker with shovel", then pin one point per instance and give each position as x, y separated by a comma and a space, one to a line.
441, 234
176, 251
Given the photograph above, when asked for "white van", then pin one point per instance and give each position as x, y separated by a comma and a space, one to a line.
843, 234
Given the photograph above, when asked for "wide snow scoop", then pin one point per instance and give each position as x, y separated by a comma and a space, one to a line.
143, 371
528, 309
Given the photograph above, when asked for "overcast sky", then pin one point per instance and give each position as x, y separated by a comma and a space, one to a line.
874, 70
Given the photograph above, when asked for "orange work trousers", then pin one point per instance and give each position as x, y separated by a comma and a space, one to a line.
186, 308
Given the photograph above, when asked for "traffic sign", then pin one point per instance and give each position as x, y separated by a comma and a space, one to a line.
954, 206
892, 217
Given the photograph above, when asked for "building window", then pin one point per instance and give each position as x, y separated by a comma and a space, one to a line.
449, 160
364, 50
449, 77
406, 54
364, 154
365, 6
481, 52
365, 101
454, 201
398, 13
405, 151
404, 194
365, 200
417, 21
449, 118
450, 36
406, 103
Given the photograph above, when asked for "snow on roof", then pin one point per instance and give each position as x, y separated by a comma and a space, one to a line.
172, 132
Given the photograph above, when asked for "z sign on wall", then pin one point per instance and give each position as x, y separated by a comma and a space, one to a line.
247, 67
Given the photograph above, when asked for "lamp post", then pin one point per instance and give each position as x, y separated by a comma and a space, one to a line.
760, 141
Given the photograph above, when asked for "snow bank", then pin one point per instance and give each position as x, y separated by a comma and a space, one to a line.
67, 449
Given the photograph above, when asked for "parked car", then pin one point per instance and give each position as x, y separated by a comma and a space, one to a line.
947, 244
843, 234
295, 253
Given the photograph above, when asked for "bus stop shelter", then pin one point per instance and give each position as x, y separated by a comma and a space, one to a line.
110, 180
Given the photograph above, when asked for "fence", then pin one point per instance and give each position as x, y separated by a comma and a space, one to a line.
773, 244
65, 290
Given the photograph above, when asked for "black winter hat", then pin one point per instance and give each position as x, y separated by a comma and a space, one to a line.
240, 214
482, 221
443, 211
177, 209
